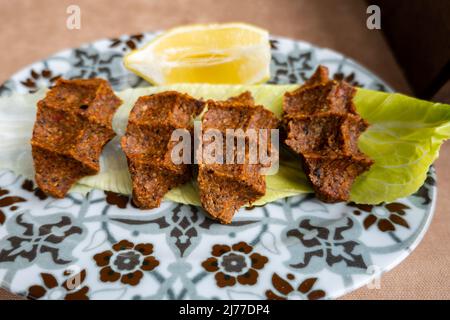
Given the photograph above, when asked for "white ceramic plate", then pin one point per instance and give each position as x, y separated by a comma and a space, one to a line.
101, 247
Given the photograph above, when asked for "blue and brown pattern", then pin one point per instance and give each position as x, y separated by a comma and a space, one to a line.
285, 289
126, 262
44, 239
71, 288
295, 248
234, 264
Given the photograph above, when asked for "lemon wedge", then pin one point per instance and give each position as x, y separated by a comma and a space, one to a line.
231, 53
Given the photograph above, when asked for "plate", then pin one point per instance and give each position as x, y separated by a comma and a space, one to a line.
99, 246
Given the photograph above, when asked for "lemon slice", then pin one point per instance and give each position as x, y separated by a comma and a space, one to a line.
231, 53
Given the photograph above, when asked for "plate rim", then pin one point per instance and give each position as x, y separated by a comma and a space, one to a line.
430, 209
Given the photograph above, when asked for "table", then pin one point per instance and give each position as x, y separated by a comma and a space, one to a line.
32, 30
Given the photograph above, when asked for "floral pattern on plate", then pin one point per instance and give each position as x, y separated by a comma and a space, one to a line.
100, 246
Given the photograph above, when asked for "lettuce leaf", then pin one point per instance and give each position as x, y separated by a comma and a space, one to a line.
403, 139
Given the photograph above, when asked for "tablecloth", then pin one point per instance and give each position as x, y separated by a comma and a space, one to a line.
32, 30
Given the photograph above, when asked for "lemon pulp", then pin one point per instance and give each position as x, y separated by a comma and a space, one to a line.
219, 53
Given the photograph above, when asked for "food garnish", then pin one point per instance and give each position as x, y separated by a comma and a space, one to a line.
231, 53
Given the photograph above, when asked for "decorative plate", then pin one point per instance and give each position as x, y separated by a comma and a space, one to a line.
101, 247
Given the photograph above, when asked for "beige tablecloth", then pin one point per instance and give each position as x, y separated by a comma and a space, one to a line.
32, 30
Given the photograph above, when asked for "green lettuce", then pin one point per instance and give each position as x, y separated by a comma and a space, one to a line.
403, 140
